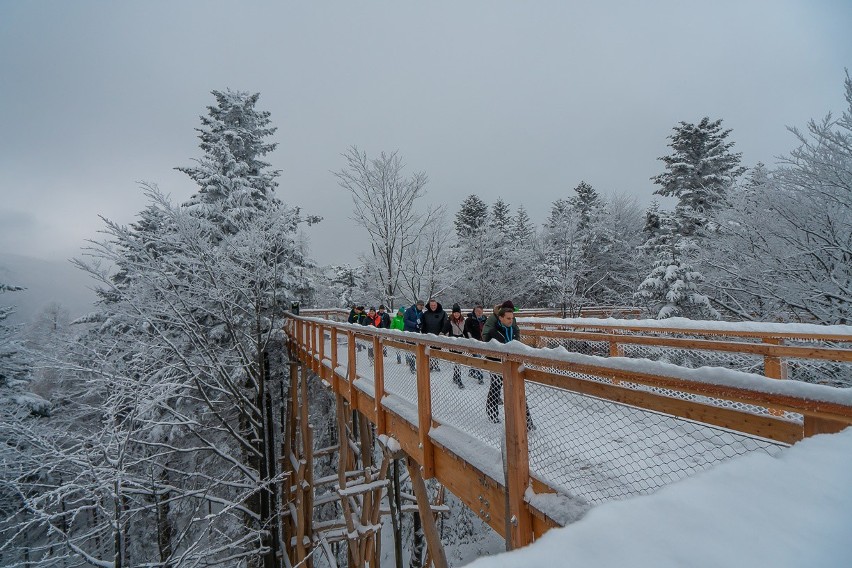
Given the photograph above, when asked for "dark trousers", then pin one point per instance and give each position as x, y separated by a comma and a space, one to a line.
494, 400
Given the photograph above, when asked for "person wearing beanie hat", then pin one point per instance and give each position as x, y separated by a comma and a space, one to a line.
491, 322
505, 331
455, 328
398, 321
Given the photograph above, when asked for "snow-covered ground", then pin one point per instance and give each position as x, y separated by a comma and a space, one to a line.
793, 510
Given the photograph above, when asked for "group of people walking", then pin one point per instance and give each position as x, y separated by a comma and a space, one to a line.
430, 318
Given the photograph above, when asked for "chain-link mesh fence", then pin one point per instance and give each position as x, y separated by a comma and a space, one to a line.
818, 371
582, 445
602, 450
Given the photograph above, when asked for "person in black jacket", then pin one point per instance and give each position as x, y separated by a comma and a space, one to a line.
504, 331
433, 321
473, 330
385, 318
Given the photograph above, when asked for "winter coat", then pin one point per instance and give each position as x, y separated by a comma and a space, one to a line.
455, 328
412, 319
398, 322
473, 327
384, 320
360, 319
491, 323
502, 333
434, 321
375, 321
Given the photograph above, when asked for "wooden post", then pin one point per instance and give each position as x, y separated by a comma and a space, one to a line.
430, 528
424, 412
615, 350
815, 425
379, 384
322, 351
335, 382
351, 371
774, 367
517, 454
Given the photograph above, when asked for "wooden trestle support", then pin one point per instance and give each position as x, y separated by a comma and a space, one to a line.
359, 487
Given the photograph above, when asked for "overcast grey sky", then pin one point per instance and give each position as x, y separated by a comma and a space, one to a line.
520, 100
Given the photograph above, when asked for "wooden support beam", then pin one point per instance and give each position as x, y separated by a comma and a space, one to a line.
430, 528
517, 454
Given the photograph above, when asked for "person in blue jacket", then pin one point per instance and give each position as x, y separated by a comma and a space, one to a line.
413, 321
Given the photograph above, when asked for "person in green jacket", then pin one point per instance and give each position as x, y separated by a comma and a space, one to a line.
398, 323
398, 320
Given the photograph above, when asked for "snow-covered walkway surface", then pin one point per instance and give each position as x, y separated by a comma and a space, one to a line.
587, 448
793, 510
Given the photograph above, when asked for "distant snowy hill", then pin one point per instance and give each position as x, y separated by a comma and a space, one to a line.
45, 282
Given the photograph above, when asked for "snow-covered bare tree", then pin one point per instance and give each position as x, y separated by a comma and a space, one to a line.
427, 271
787, 244
385, 205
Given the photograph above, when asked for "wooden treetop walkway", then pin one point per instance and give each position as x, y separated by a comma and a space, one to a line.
603, 428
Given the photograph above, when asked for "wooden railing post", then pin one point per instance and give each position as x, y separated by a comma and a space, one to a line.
322, 350
774, 367
379, 384
815, 425
351, 371
424, 412
335, 381
517, 454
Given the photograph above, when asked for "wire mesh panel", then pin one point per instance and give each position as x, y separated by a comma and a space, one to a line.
401, 374
603, 450
460, 398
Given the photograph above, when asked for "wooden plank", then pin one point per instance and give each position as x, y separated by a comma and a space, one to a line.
757, 425
517, 454
424, 412
430, 528
814, 426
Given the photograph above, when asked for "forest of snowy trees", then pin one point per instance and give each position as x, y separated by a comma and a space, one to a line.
738, 242
147, 433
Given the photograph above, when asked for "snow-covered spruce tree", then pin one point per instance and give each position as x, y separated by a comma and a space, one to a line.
587, 203
385, 205
699, 172
560, 274
471, 217
791, 233
526, 257
473, 253
671, 289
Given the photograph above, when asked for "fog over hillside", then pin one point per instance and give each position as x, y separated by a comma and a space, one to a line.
45, 282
